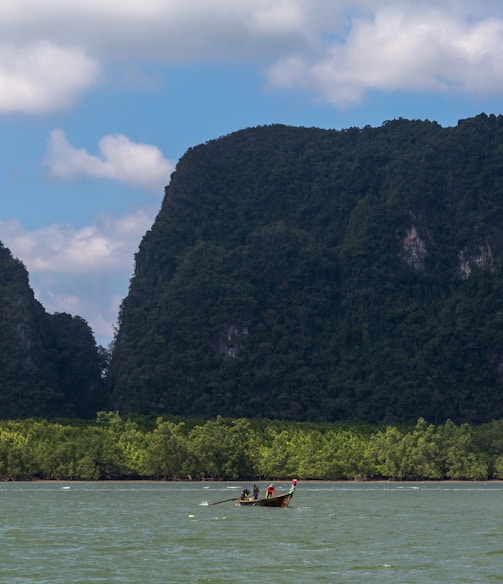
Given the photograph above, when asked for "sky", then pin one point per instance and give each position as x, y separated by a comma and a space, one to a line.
99, 99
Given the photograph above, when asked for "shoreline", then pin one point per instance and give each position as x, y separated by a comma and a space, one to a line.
246, 481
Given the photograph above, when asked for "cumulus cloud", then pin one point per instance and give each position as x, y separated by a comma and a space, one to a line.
107, 245
156, 29
81, 270
43, 77
405, 50
120, 159
45, 48
336, 51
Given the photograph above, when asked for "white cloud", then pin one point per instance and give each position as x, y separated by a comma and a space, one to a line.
156, 29
108, 245
140, 165
45, 46
336, 51
43, 77
406, 50
81, 271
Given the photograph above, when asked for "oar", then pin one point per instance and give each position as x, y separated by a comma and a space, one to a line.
225, 501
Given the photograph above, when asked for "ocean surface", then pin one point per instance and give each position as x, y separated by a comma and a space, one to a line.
153, 532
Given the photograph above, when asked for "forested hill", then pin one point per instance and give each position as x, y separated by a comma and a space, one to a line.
309, 274
49, 364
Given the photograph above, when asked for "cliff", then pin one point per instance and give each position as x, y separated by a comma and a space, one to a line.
49, 364
310, 274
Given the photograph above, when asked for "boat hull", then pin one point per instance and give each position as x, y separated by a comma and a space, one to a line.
276, 501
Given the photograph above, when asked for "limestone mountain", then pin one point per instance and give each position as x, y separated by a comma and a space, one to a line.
49, 364
312, 274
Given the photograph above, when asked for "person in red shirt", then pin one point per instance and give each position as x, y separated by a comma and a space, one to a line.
270, 491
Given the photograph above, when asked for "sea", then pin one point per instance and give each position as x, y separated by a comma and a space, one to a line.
179, 532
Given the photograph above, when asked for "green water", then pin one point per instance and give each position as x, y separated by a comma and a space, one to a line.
332, 532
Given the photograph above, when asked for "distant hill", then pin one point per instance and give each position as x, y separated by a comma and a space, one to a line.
49, 364
309, 274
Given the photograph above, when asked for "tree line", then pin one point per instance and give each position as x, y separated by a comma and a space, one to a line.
116, 447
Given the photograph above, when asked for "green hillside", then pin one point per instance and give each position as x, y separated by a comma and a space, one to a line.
308, 274
49, 364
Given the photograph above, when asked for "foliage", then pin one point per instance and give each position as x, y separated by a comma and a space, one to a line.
116, 447
296, 274
316, 275
49, 364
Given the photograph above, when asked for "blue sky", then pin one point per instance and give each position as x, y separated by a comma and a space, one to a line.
98, 101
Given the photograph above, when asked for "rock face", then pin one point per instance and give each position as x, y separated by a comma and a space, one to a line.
49, 364
414, 249
321, 275
482, 259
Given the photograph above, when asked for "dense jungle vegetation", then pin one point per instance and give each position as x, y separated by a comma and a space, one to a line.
318, 275
114, 447
49, 363
293, 274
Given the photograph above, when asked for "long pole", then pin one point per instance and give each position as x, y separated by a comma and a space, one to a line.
225, 501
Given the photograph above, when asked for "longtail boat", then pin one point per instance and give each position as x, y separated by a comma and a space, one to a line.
274, 501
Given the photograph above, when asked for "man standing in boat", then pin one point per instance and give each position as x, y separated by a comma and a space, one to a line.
270, 491
255, 491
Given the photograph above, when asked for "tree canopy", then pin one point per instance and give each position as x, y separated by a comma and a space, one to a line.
117, 447
323, 275
49, 363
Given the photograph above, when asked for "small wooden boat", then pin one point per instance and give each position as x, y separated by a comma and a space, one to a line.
271, 501
275, 501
